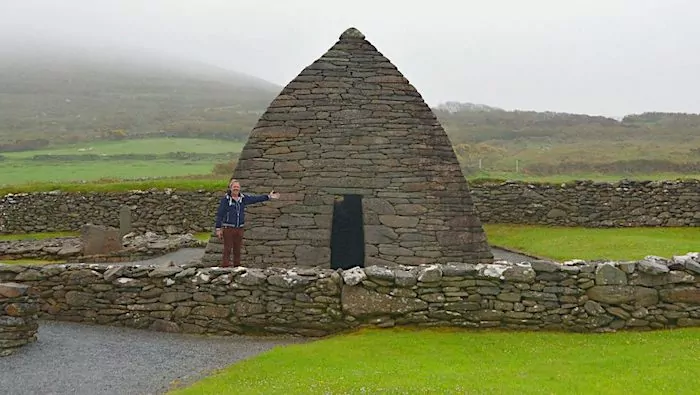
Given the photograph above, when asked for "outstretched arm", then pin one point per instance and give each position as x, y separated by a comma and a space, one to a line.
252, 199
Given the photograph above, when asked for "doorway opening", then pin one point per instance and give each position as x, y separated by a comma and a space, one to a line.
347, 233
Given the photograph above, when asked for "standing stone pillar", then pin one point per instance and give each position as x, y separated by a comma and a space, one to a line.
124, 220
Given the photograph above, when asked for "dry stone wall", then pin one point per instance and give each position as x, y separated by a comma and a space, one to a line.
591, 204
585, 203
18, 317
159, 211
70, 249
652, 293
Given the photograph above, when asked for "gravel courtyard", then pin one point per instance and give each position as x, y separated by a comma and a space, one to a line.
95, 360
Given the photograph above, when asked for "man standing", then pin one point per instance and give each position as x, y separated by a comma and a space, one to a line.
230, 218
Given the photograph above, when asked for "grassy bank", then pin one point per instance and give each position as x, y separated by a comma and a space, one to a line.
564, 243
452, 361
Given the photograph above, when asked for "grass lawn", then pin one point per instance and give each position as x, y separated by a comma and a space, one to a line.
565, 243
469, 362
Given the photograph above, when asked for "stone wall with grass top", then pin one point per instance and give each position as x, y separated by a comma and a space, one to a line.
159, 211
578, 296
583, 203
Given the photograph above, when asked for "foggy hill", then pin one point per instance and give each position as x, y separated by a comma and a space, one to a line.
62, 94
65, 94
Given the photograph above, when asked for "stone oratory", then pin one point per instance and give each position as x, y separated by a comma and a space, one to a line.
366, 173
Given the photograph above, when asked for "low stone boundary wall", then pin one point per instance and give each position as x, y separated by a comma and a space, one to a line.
18, 317
70, 249
591, 204
578, 296
583, 203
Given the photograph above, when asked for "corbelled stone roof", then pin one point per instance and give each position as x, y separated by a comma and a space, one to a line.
351, 123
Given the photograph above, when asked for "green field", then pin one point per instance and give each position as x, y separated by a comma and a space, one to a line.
406, 361
62, 165
19, 168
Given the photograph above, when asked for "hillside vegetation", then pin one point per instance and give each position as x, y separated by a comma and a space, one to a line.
545, 143
53, 104
50, 98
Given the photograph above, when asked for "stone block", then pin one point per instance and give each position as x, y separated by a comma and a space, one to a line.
358, 301
13, 290
100, 240
124, 220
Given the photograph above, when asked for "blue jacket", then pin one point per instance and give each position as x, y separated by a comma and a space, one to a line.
231, 212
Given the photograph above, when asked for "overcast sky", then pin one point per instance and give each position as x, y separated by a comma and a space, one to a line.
608, 57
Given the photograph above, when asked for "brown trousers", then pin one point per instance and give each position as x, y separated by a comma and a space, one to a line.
233, 240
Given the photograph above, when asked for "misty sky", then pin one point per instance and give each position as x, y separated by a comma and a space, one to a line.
607, 57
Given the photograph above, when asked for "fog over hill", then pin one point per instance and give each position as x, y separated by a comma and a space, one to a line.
42, 58
71, 93
53, 94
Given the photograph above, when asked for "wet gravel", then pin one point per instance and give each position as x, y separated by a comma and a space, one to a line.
81, 359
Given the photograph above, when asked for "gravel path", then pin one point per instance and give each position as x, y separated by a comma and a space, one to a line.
81, 359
